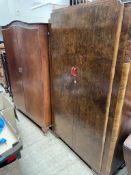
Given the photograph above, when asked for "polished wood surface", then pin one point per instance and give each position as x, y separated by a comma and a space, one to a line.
14, 62
127, 153
90, 73
121, 127
126, 119
31, 52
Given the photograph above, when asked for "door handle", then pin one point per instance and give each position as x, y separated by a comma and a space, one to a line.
20, 70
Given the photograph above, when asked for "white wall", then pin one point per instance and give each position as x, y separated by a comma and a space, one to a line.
27, 14
11, 10
5, 12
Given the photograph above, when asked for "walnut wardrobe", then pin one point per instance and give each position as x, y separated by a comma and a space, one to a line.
90, 70
27, 56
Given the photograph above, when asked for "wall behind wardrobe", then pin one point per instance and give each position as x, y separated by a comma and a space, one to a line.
31, 11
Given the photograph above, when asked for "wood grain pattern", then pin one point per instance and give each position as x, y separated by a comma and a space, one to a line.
112, 75
44, 43
118, 114
32, 68
32, 53
81, 104
14, 63
123, 128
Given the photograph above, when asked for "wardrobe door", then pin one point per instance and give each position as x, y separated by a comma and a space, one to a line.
32, 71
10, 34
97, 34
63, 92
85, 38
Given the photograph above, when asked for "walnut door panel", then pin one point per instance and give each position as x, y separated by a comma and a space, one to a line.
15, 65
95, 46
32, 69
63, 92
45, 74
87, 37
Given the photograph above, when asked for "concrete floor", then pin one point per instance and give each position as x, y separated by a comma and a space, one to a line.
48, 155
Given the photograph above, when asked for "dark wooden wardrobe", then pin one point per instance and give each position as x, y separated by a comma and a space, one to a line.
27, 51
90, 70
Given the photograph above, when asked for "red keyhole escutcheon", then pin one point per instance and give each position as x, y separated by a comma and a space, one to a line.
74, 71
